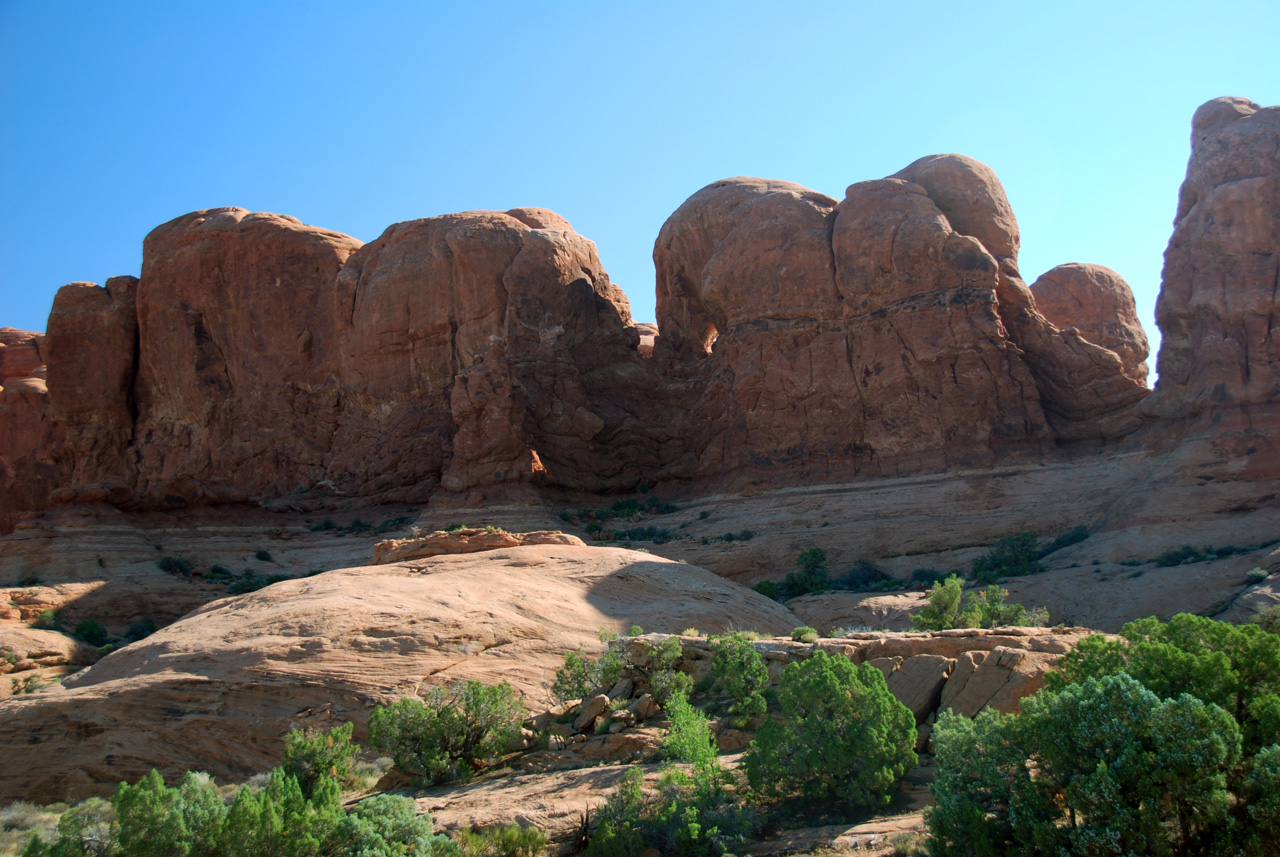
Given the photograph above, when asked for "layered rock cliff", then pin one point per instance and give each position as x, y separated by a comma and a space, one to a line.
485, 357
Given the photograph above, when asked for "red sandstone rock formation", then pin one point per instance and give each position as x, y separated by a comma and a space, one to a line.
1218, 297
1098, 304
28, 437
484, 351
485, 356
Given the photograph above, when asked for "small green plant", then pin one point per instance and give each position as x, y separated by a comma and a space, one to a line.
262, 556
742, 673
91, 631
1257, 575
26, 684
393, 524
451, 734
810, 574
804, 634
607, 635
691, 632
635, 631
1012, 556
321, 526
174, 565
48, 620
506, 841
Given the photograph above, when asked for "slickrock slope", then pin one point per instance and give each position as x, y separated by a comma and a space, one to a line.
216, 690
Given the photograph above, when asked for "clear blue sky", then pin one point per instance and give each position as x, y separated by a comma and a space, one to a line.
115, 117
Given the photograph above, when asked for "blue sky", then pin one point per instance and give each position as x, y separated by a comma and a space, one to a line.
352, 116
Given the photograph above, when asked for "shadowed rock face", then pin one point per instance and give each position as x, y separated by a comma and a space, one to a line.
29, 439
485, 357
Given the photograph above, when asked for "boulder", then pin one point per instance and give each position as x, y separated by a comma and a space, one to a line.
591, 709
917, 683
1098, 304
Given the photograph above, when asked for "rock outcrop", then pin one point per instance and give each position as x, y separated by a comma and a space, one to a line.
1218, 295
1098, 304
29, 439
485, 357
216, 690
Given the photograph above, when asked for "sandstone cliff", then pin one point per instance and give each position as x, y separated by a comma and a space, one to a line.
485, 357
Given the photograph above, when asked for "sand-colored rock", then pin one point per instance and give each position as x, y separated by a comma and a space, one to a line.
216, 690
465, 540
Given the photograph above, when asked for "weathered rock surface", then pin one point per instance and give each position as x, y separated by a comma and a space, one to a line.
29, 439
1098, 303
216, 690
465, 540
1218, 292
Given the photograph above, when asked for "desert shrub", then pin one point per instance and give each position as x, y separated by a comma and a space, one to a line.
141, 629
665, 681
451, 734
741, 672
1180, 556
804, 634
863, 574
1257, 575
810, 574
689, 737
1117, 770
986, 609
927, 575
392, 524
47, 620
320, 526
692, 815
150, 819
262, 556
21, 815
510, 840
313, 754
635, 631
174, 565
1268, 618
1072, 537
91, 631
768, 589
842, 736
26, 684
657, 535
581, 675
1012, 556
250, 582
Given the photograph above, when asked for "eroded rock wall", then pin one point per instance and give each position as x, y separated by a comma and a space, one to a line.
485, 357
